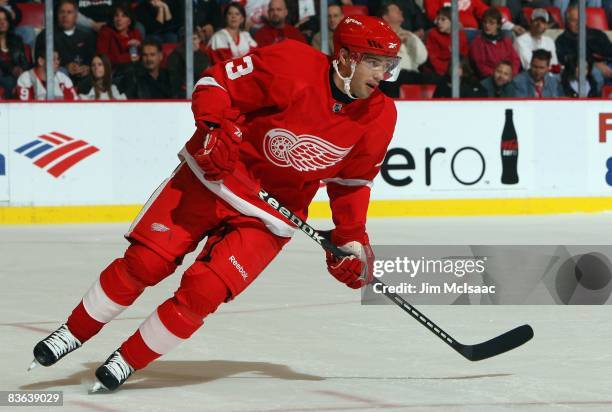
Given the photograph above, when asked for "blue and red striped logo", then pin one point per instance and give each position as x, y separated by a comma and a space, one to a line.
56, 153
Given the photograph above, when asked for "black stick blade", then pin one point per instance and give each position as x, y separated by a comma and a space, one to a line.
498, 345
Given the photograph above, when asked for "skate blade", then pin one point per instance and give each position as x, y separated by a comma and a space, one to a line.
97, 387
33, 365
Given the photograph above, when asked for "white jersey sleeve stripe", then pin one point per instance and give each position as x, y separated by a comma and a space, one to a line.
208, 81
349, 182
274, 224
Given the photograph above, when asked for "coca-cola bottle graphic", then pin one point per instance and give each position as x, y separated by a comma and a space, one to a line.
509, 151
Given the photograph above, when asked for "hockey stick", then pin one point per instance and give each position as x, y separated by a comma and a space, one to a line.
493, 347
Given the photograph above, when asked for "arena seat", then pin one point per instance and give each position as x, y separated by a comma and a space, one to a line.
596, 18
416, 91
606, 92
32, 14
355, 10
167, 48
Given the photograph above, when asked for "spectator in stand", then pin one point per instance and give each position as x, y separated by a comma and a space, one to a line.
94, 14
231, 41
569, 80
176, 66
207, 18
99, 85
149, 81
256, 12
74, 45
120, 41
276, 28
13, 59
438, 42
334, 17
598, 47
32, 85
414, 17
11, 8
412, 51
516, 7
471, 12
534, 39
500, 83
468, 85
161, 19
27, 33
537, 81
563, 5
491, 46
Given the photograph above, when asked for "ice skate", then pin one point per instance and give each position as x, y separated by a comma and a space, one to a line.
113, 373
54, 347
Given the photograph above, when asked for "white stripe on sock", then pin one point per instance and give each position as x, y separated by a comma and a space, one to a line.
99, 306
157, 337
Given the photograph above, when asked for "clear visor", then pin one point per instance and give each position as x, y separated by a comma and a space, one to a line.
385, 64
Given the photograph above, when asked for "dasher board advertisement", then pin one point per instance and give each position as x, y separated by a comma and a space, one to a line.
501, 149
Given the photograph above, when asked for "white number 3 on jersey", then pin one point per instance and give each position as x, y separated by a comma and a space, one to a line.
235, 71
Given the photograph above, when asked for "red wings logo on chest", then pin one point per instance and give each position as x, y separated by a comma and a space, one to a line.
304, 153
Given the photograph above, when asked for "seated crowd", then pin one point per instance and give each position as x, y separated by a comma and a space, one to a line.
136, 50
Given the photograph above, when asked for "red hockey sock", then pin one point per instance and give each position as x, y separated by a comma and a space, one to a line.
81, 325
136, 352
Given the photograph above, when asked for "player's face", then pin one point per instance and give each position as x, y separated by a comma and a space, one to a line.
67, 16
234, 18
368, 75
121, 21
97, 68
334, 17
502, 74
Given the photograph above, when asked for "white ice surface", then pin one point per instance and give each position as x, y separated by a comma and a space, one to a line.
299, 341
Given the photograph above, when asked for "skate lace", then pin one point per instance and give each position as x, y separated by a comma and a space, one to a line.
61, 341
118, 367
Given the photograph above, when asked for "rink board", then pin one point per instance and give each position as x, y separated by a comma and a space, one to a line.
88, 162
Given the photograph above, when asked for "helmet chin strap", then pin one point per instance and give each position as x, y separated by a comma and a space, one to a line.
346, 80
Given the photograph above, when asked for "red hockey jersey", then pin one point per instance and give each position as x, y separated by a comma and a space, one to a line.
295, 134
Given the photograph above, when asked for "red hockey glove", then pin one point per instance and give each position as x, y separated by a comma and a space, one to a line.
355, 271
217, 158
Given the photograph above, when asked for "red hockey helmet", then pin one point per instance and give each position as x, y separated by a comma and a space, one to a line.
367, 35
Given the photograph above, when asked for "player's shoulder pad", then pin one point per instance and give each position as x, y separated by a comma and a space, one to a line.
386, 115
291, 58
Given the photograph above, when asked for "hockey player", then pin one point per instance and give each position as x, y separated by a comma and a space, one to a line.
283, 118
